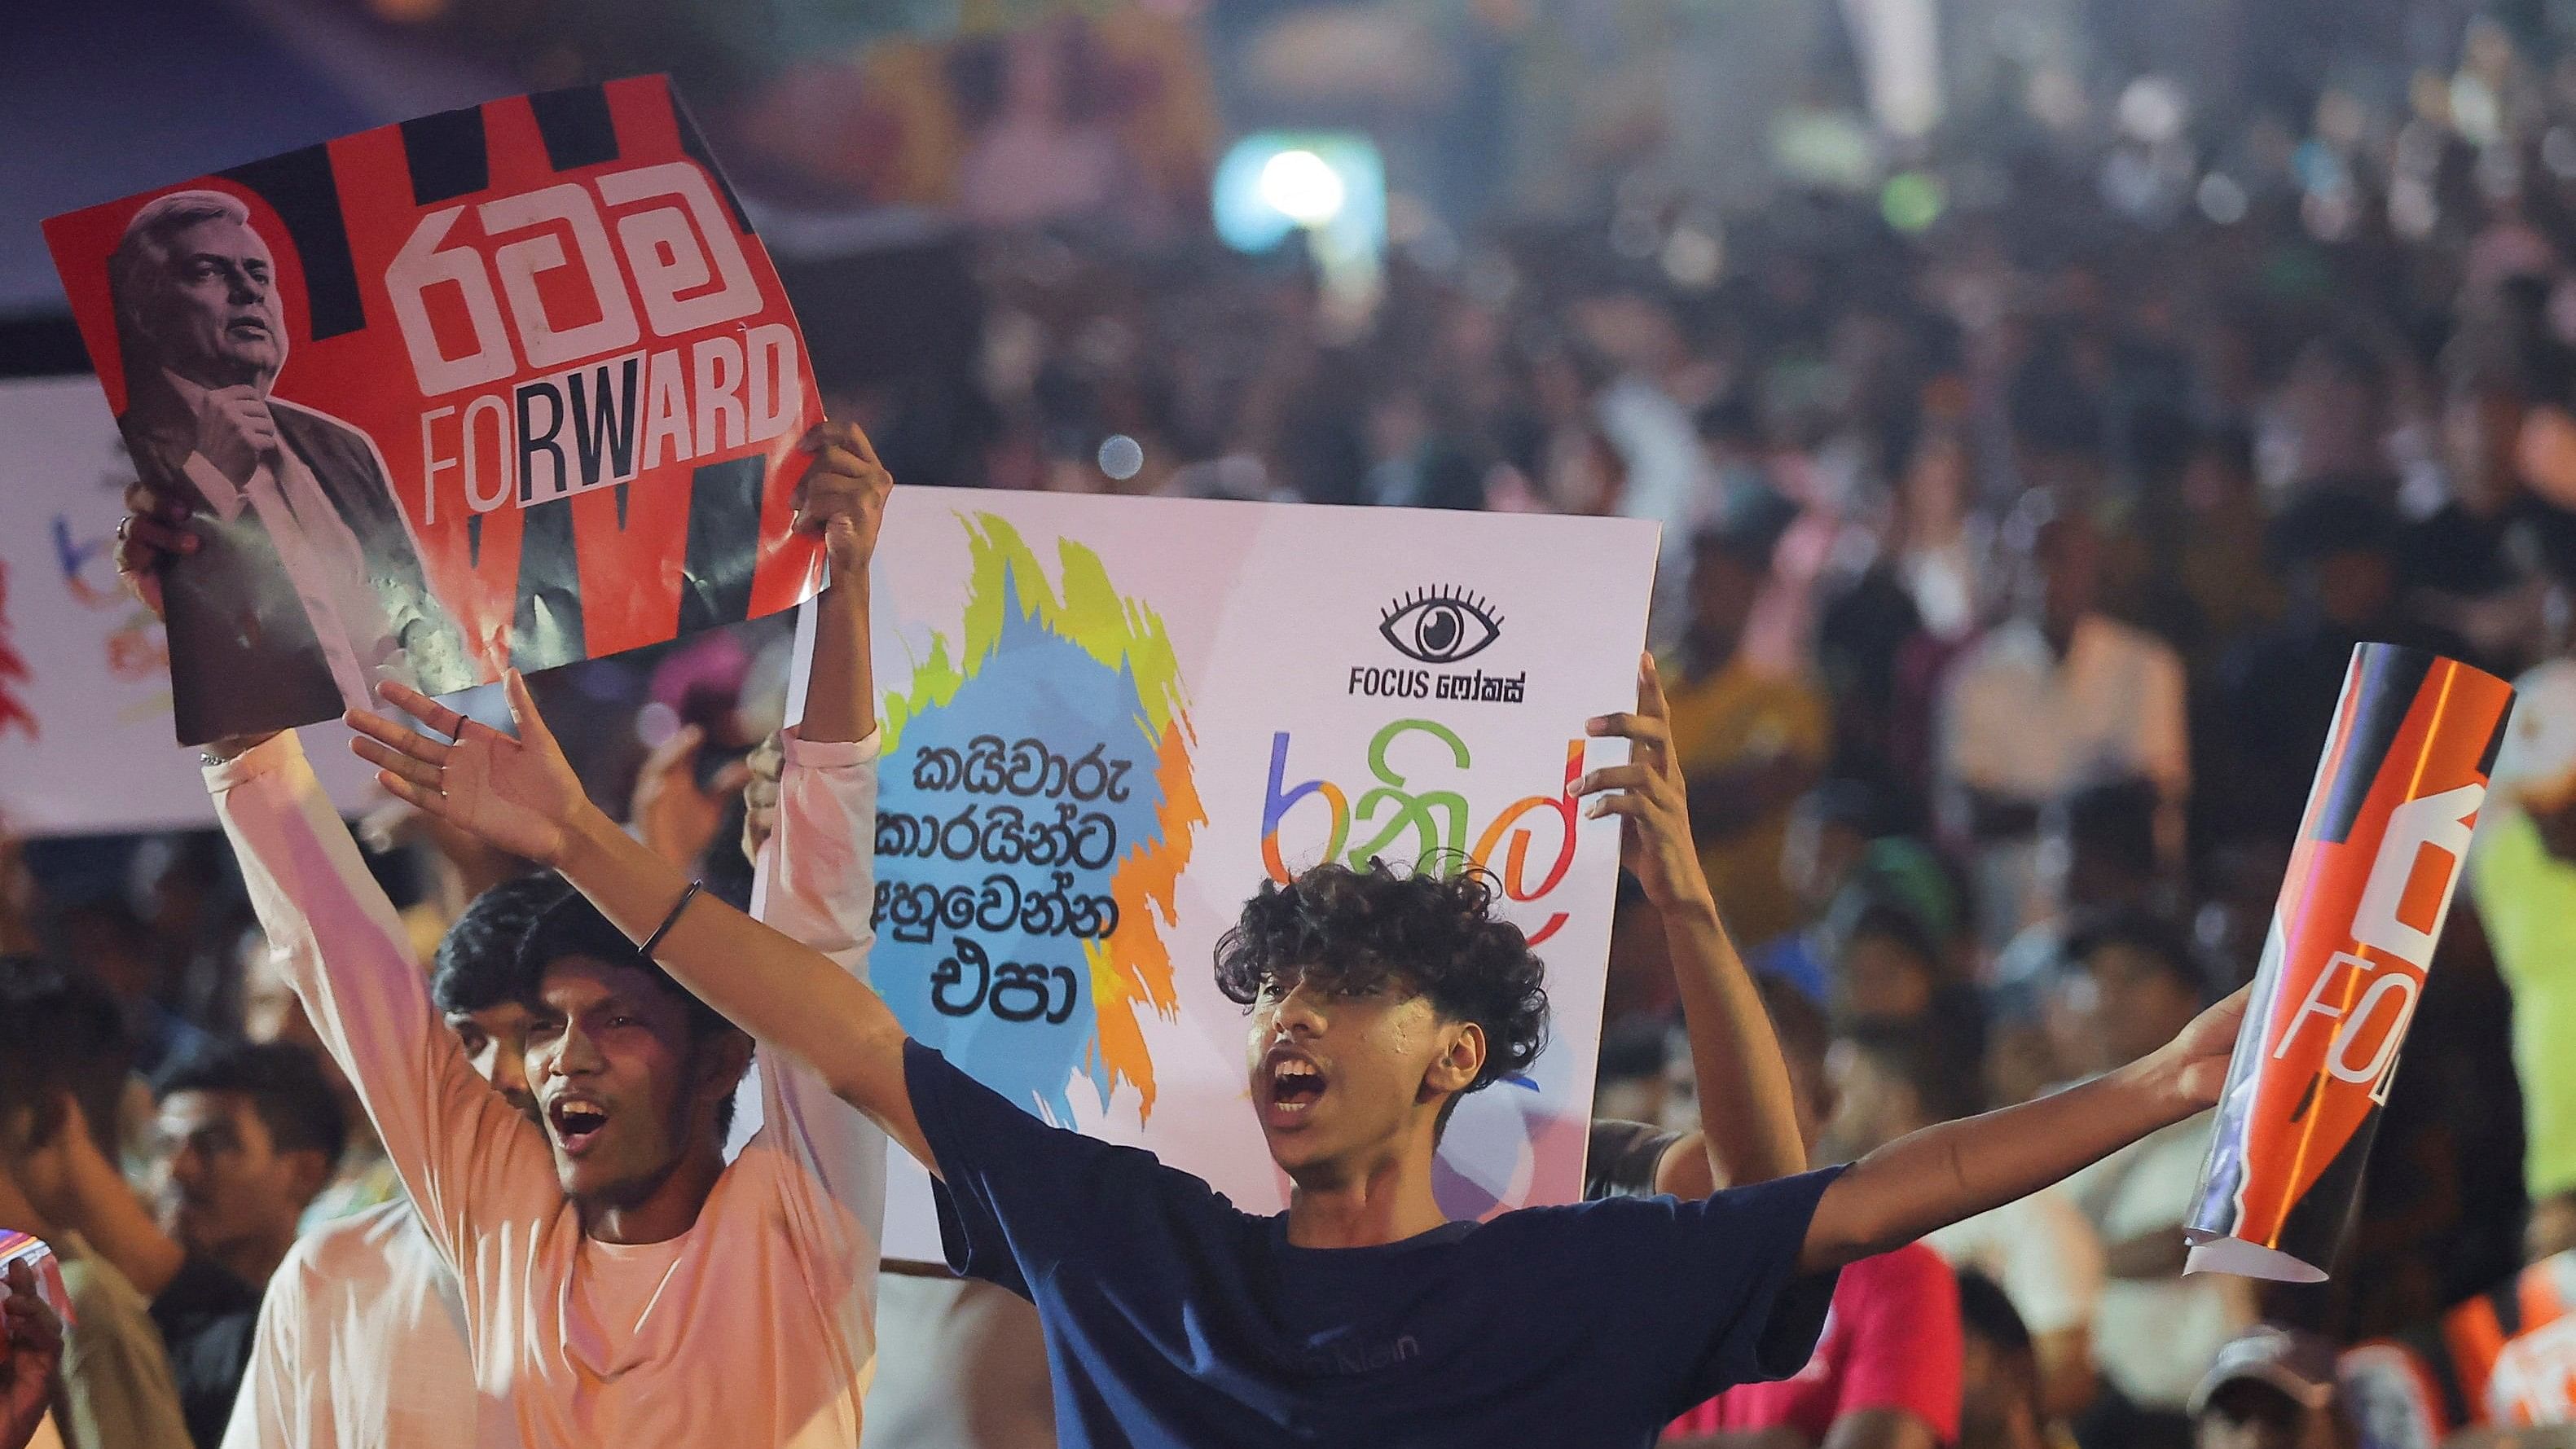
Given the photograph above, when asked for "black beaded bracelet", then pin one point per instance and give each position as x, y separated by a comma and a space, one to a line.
672, 919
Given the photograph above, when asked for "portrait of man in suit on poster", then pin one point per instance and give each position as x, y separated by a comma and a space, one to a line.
305, 588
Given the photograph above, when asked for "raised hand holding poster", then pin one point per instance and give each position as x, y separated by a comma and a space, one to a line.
1107, 721
508, 385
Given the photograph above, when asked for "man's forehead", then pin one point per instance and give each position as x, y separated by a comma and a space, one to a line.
193, 1109
499, 1016
1368, 976
218, 236
576, 981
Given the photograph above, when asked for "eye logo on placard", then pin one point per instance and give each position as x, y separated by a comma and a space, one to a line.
1440, 625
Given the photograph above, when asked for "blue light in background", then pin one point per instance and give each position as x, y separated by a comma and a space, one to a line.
1332, 183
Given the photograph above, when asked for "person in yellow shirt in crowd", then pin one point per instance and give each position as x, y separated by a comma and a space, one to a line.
1754, 737
2522, 874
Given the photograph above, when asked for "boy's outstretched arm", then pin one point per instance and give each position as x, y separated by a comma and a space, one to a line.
522, 795
1941, 1175
1748, 1117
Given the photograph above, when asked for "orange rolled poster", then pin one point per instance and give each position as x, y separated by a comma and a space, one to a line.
2379, 852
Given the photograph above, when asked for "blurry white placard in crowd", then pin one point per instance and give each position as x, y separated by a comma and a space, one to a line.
86, 743
1900, 61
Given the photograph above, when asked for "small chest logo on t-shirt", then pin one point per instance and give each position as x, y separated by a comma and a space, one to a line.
1358, 1358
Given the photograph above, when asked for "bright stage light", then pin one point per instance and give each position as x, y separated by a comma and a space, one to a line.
1303, 187
1329, 185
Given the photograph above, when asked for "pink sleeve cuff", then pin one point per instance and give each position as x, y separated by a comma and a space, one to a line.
280, 751
829, 754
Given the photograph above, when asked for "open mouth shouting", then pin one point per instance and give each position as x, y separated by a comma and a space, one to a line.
1288, 1086
576, 1122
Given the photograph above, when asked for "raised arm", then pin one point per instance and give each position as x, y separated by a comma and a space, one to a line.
521, 794
338, 943
670, 811
815, 878
1954, 1171
1748, 1118
348, 957
107, 1211
844, 496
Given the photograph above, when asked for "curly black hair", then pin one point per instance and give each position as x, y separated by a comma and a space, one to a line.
1424, 933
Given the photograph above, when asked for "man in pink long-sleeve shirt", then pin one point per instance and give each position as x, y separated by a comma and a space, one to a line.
622, 1283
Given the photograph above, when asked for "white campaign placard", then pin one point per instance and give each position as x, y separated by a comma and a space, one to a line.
86, 742
1108, 719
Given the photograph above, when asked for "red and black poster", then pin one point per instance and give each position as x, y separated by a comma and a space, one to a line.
512, 385
2379, 855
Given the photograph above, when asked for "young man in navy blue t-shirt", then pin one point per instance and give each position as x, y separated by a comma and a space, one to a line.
1361, 1316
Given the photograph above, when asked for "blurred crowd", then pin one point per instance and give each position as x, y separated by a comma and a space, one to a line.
2020, 520
2019, 525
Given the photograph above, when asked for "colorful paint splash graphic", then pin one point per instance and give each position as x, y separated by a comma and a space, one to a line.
1036, 811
